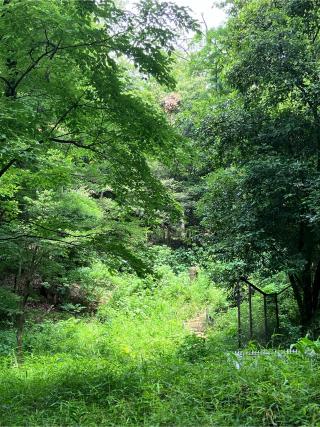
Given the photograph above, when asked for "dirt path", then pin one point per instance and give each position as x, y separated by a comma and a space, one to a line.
198, 324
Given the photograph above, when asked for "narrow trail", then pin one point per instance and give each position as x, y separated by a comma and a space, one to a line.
198, 324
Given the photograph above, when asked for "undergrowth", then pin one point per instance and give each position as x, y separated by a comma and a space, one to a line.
135, 363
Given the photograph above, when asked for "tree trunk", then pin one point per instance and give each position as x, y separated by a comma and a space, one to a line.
296, 291
20, 322
316, 289
20, 328
306, 289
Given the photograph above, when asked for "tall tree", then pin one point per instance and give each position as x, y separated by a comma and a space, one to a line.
76, 133
65, 93
262, 203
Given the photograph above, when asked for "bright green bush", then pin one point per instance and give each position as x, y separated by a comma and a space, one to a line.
77, 337
146, 317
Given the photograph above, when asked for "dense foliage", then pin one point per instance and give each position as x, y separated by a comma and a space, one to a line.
138, 182
76, 136
256, 119
137, 365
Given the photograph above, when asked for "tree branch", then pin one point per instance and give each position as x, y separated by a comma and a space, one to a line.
314, 38
64, 115
32, 66
62, 233
75, 143
7, 166
31, 236
5, 80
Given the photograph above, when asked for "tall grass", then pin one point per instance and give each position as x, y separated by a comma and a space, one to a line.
136, 364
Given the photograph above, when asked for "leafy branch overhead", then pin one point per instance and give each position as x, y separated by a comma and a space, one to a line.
71, 117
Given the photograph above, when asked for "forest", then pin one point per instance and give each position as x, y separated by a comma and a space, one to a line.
159, 214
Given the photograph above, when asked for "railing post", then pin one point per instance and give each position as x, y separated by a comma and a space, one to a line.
239, 313
250, 312
265, 317
277, 311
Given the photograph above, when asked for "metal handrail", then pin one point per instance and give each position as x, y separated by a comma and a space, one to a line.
265, 295
244, 279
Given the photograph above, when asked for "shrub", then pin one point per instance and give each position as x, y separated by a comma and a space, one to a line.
9, 305
140, 366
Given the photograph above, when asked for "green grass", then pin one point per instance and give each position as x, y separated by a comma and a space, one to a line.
136, 365
64, 390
